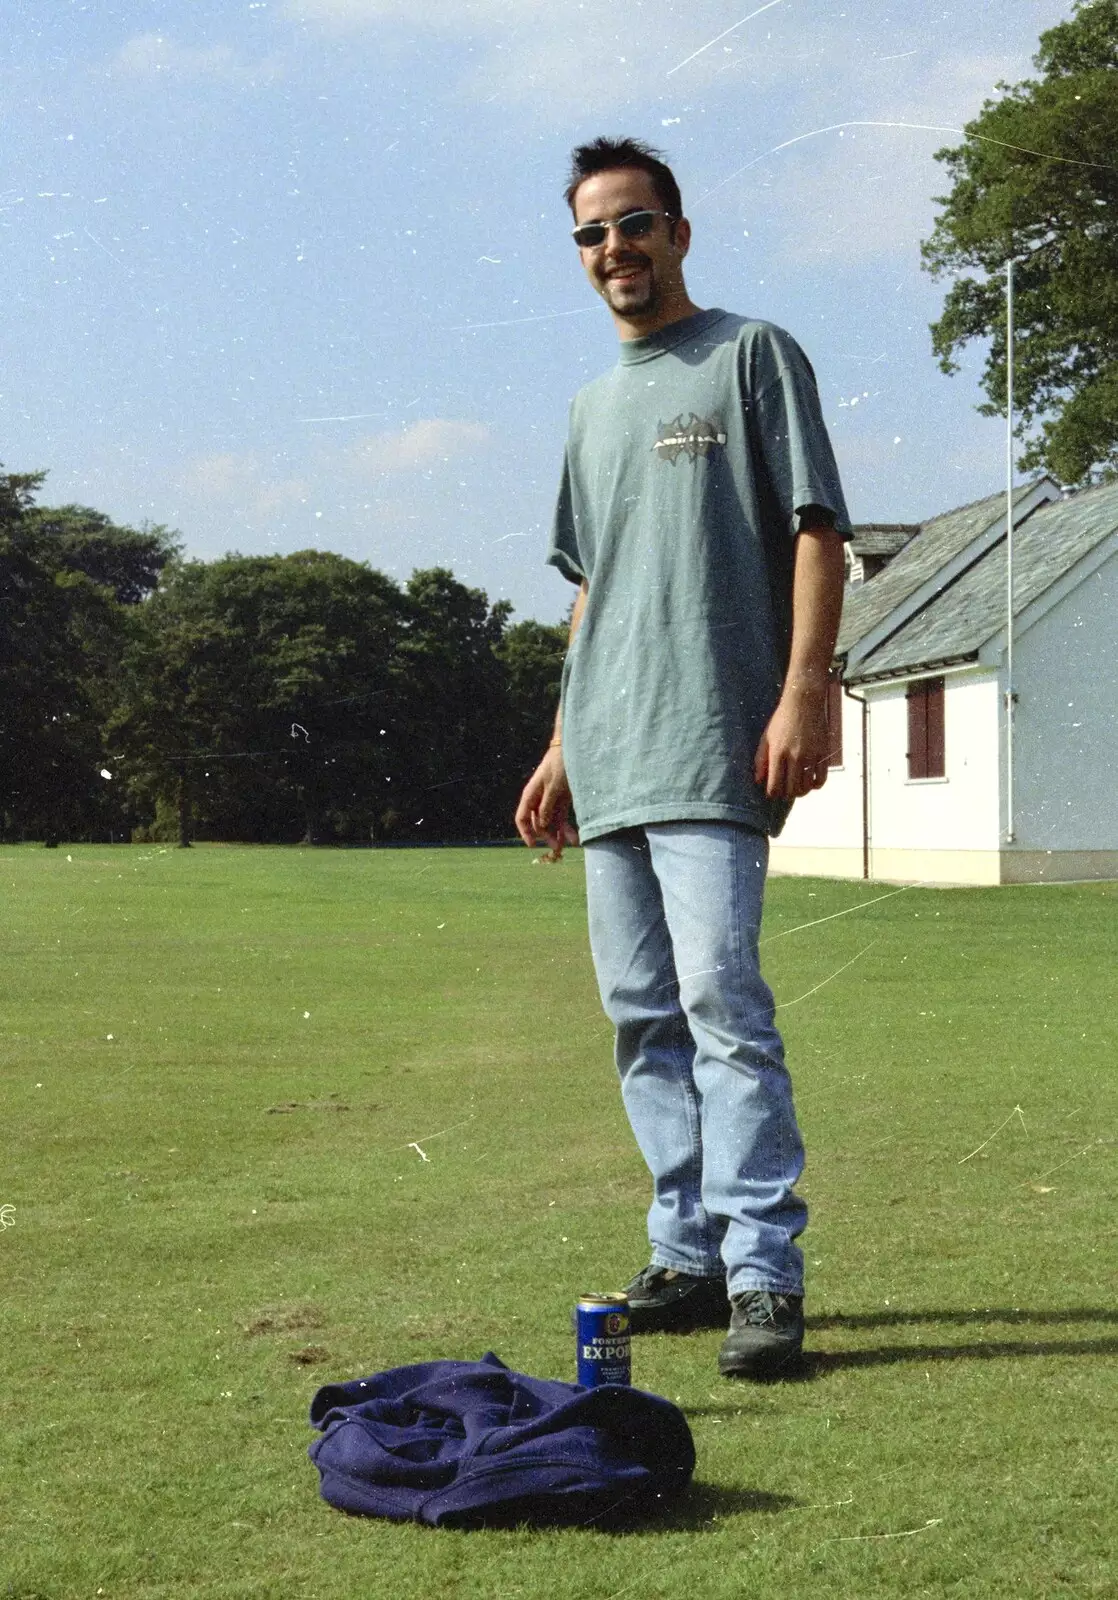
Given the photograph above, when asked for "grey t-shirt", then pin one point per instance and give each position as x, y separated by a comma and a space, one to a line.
685, 469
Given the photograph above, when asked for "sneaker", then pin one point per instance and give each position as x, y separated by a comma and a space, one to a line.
766, 1335
662, 1300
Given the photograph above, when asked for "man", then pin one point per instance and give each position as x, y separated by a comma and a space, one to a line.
701, 516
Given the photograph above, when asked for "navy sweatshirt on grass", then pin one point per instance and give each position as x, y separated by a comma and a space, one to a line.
463, 1443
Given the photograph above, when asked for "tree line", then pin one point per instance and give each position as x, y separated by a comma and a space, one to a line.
260, 698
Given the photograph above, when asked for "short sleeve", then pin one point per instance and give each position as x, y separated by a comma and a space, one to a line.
564, 552
791, 436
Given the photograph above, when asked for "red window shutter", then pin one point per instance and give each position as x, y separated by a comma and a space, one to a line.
917, 731
934, 719
834, 722
926, 748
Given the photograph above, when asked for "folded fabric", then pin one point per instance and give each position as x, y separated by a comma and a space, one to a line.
462, 1443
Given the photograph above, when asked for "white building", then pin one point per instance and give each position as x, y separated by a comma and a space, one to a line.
928, 783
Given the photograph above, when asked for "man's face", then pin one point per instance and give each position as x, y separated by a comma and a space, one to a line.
641, 280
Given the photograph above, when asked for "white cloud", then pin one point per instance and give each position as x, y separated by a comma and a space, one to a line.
151, 55
154, 52
534, 53
346, 14
240, 484
256, 493
856, 199
605, 55
425, 443
219, 474
853, 189
436, 15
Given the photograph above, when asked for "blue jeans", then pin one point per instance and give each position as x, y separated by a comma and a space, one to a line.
675, 910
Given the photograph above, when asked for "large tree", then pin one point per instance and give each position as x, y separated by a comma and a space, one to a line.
126, 561
66, 578
1037, 179
307, 696
254, 696
456, 778
532, 654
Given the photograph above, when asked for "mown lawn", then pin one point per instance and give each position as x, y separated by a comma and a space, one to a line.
277, 1117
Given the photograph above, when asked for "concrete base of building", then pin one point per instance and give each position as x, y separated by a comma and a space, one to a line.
988, 867
1059, 866
814, 861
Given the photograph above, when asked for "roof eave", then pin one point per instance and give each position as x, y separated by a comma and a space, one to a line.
916, 669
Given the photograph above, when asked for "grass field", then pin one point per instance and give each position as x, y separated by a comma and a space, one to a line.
277, 1117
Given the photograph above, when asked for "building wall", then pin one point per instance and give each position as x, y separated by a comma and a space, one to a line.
829, 819
958, 812
1066, 724
935, 829
951, 830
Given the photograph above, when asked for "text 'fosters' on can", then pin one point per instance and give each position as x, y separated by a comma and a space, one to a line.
602, 1330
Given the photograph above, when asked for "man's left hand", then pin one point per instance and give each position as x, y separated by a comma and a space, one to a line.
792, 758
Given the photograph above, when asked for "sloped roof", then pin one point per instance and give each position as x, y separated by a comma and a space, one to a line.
937, 543
959, 621
881, 538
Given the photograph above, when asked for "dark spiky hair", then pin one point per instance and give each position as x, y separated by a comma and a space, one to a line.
606, 155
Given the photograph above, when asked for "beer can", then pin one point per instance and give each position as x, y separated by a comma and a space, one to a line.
602, 1334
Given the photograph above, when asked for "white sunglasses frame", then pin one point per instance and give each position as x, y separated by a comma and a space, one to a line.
615, 222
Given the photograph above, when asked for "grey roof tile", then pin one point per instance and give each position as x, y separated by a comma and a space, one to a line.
882, 538
937, 543
956, 624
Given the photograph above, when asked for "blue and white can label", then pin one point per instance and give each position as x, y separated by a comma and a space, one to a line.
602, 1331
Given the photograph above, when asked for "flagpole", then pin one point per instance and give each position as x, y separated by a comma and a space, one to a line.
1010, 697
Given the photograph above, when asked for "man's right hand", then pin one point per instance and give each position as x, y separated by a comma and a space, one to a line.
545, 806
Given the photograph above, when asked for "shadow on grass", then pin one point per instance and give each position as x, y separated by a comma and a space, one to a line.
732, 1411
697, 1510
817, 1363
980, 1315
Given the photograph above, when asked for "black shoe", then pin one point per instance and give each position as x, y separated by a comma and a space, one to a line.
766, 1335
664, 1301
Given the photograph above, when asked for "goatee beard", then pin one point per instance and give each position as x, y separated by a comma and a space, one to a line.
647, 305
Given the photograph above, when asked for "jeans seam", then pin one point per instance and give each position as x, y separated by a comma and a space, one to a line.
686, 1061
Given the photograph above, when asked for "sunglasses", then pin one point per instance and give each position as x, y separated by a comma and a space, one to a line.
633, 225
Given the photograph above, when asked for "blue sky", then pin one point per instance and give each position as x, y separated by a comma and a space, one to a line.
298, 273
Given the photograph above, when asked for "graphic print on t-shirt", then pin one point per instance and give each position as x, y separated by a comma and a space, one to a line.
694, 438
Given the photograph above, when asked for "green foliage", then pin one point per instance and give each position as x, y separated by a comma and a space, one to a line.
126, 561
454, 709
1037, 179
165, 827
65, 578
308, 697
253, 692
256, 697
17, 495
532, 654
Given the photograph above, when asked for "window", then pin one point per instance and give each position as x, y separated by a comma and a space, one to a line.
925, 729
834, 721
